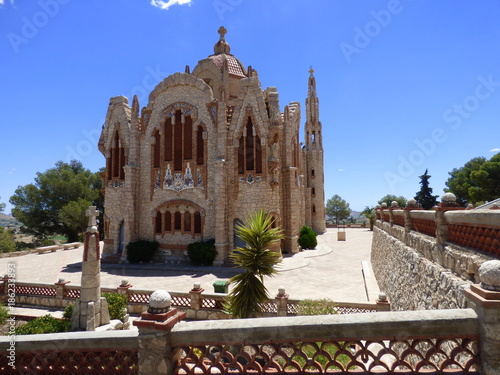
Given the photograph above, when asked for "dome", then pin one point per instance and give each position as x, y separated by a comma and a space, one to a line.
221, 53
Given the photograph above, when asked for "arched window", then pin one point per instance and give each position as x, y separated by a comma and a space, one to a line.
187, 221
249, 150
116, 160
200, 146
168, 221
156, 150
177, 221
158, 223
197, 222
312, 172
313, 209
313, 190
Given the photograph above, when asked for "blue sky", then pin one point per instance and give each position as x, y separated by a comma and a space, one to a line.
403, 85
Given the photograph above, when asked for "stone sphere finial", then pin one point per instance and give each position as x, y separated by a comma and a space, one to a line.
159, 302
448, 198
124, 282
196, 286
394, 204
384, 205
281, 291
489, 275
412, 202
61, 280
382, 297
377, 206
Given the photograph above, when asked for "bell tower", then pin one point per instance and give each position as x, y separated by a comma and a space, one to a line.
314, 158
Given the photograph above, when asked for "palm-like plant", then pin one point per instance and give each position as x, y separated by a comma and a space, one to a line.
249, 293
369, 213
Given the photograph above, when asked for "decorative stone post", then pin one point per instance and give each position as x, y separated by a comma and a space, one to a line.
382, 208
382, 302
156, 354
448, 202
196, 296
411, 205
91, 311
394, 206
484, 298
60, 287
281, 301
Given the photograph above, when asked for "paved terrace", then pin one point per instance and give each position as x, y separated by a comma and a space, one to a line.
335, 270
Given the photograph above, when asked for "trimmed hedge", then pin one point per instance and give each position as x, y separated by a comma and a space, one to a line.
117, 303
307, 238
141, 251
202, 253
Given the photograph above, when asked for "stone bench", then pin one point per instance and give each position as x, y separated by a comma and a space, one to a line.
45, 249
72, 245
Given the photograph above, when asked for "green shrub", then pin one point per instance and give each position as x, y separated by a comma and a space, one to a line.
141, 251
4, 314
117, 303
47, 242
44, 324
24, 245
307, 238
68, 311
202, 253
323, 306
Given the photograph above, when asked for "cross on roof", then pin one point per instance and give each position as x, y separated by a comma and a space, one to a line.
222, 32
92, 214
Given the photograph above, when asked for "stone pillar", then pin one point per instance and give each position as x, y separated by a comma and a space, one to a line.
60, 287
91, 311
221, 227
394, 206
411, 205
196, 296
484, 298
282, 301
382, 302
448, 202
156, 355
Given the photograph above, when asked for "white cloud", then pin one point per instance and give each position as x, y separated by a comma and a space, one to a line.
341, 170
167, 4
495, 150
2, 2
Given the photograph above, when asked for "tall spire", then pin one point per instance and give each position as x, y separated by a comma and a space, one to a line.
313, 125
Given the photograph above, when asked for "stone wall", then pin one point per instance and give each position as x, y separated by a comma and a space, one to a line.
419, 259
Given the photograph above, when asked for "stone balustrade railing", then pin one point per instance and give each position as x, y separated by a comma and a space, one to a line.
197, 304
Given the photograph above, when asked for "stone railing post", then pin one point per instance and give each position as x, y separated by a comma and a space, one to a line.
196, 296
124, 287
448, 202
382, 208
411, 205
394, 206
4, 288
156, 354
382, 302
281, 302
60, 287
484, 298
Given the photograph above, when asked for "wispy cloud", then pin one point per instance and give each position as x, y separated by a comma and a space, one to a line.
341, 170
2, 2
495, 150
166, 4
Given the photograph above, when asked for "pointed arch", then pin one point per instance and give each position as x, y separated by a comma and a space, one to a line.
249, 150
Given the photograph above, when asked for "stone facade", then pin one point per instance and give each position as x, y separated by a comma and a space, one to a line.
209, 148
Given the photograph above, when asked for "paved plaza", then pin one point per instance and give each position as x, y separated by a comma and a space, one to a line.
339, 270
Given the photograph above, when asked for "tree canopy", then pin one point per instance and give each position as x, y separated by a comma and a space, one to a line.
477, 181
7, 240
337, 208
369, 213
424, 196
56, 202
2, 206
389, 198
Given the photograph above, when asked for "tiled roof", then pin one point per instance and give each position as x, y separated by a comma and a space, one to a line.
232, 63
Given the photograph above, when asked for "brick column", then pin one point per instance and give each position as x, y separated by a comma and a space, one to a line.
156, 354
60, 287
484, 298
281, 302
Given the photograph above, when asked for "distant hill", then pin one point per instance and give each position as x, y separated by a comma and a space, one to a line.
9, 221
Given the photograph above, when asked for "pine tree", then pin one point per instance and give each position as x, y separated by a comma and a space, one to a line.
424, 197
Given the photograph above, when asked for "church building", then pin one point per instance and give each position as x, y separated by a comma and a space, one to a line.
209, 148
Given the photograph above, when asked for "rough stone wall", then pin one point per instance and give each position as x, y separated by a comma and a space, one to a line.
410, 280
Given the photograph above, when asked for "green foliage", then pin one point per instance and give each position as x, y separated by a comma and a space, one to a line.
323, 306
202, 253
39, 206
7, 243
369, 213
117, 303
68, 311
389, 198
477, 181
141, 251
249, 293
4, 313
337, 208
44, 324
307, 238
47, 242
424, 197
24, 245
2, 207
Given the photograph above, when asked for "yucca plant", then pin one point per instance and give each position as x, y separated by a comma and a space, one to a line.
249, 293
